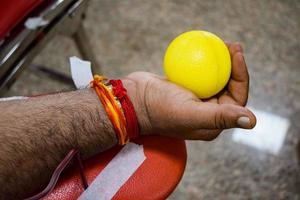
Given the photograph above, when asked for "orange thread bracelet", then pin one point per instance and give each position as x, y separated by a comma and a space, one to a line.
111, 107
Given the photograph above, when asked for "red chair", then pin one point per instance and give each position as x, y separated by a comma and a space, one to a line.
165, 160
155, 179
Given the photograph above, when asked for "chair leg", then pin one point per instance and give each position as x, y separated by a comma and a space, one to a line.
53, 74
84, 47
298, 152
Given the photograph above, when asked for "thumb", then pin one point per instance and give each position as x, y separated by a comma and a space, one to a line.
204, 115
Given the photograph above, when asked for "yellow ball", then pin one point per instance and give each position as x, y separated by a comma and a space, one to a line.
199, 61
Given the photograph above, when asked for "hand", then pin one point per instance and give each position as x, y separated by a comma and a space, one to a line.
168, 109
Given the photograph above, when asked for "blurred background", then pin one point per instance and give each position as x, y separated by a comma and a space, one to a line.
132, 35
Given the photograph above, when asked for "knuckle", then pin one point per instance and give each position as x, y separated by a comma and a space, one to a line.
220, 121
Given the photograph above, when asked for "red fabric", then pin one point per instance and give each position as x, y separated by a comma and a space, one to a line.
155, 179
120, 92
14, 11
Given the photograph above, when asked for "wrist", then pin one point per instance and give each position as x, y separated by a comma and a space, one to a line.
98, 134
137, 100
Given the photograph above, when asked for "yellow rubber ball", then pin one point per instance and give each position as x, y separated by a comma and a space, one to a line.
199, 61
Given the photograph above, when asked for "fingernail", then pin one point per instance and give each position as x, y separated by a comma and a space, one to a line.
243, 122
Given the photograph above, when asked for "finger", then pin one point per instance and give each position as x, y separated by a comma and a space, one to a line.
216, 116
238, 86
228, 44
234, 48
211, 100
203, 134
226, 98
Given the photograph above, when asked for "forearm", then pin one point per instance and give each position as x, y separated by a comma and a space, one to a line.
36, 134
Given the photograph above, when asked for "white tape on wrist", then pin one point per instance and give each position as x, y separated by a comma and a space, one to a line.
116, 173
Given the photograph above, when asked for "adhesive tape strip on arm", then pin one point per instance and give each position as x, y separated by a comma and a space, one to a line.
13, 98
116, 173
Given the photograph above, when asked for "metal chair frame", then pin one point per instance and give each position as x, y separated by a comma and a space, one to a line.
23, 45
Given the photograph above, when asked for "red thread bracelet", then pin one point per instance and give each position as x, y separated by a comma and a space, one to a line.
131, 119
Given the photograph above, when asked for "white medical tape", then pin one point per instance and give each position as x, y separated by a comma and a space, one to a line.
115, 174
13, 98
81, 72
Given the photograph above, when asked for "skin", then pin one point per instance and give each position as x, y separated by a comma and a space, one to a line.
174, 111
36, 134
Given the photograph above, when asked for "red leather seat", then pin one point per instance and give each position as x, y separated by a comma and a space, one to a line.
14, 11
155, 179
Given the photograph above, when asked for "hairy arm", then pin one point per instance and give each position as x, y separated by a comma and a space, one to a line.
36, 134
